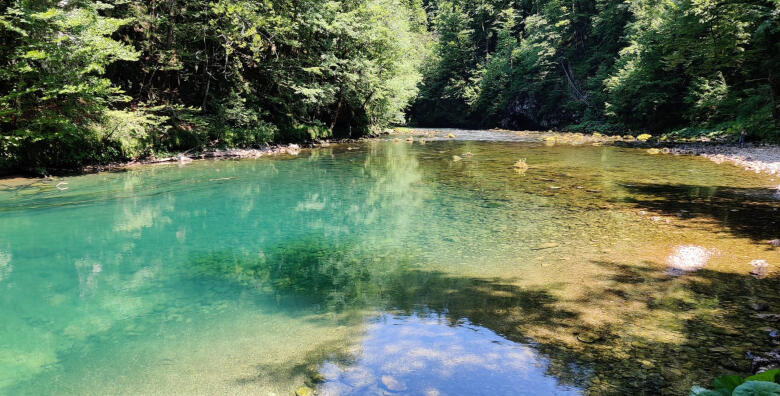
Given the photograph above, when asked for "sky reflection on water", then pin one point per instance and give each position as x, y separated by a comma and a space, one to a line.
428, 355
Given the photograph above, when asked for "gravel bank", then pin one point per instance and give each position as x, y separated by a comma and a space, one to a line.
754, 158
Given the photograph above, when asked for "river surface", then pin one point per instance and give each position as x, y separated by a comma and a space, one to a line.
387, 267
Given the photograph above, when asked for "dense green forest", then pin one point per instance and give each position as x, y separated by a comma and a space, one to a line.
86, 81
604, 65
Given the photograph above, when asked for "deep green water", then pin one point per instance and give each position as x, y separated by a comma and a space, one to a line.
385, 266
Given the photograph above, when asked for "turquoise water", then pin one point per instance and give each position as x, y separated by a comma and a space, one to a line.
384, 267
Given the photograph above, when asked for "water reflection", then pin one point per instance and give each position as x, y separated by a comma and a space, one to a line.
426, 354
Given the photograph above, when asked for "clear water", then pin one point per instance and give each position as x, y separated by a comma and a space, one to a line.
386, 267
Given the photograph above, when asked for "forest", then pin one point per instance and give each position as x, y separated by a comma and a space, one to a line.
91, 82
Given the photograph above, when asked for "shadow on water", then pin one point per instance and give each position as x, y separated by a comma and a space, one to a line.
744, 212
659, 334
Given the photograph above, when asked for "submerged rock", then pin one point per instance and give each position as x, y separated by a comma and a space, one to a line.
304, 391
764, 361
520, 165
588, 337
318, 378
760, 268
688, 258
456, 158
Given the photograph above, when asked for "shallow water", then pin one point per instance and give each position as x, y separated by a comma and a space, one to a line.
387, 267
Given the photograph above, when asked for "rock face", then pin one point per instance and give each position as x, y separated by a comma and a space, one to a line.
688, 258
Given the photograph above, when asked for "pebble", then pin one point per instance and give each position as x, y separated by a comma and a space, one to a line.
304, 391
588, 337
760, 268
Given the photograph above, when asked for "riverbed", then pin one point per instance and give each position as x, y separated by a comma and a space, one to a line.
413, 267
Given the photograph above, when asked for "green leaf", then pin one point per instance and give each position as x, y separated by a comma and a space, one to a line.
757, 388
769, 375
726, 384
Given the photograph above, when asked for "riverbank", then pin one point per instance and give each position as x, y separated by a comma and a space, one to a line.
185, 157
751, 157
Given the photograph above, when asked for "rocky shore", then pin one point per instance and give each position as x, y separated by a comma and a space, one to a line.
756, 158
753, 158
291, 149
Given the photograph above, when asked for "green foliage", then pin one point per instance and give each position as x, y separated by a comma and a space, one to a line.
52, 82
766, 383
604, 65
191, 74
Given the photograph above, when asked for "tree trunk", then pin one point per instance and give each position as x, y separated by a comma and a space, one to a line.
336, 116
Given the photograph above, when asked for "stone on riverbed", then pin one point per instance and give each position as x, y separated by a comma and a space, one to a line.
588, 337
760, 268
688, 258
304, 391
548, 245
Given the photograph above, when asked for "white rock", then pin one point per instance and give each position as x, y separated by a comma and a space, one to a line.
760, 268
688, 258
